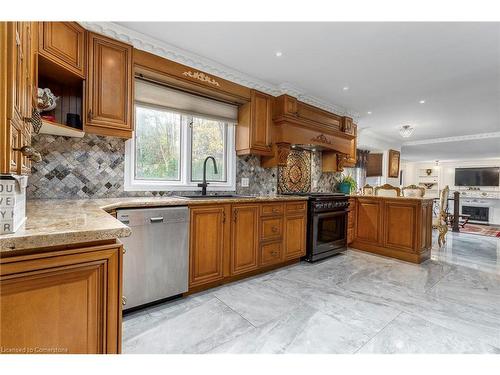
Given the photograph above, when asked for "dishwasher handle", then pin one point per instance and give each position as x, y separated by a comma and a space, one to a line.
158, 219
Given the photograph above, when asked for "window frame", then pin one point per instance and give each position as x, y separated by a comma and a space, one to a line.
185, 183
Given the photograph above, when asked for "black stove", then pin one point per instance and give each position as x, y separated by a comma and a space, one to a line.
326, 224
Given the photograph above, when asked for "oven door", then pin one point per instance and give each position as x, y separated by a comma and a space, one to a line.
329, 231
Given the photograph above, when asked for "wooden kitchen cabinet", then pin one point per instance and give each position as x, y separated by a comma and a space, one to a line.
232, 241
369, 220
253, 133
208, 241
244, 238
63, 43
109, 89
65, 301
295, 236
351, 220
16, 94
396, 227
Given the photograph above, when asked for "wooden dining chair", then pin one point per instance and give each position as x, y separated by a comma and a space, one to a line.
367, 189
387, 190
441, 222
413, 191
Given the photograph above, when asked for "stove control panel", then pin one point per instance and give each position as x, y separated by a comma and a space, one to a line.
336, 205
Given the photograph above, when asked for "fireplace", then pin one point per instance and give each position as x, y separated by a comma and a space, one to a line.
476, 213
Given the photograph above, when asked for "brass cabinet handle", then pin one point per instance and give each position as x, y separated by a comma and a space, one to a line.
274, 253
274, 229
223, 217
235, 214
124, 300
124, 251
275, 209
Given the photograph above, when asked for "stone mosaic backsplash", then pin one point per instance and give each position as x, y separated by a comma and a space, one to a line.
93, 167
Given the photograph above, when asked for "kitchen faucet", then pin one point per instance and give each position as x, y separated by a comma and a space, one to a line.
204, 184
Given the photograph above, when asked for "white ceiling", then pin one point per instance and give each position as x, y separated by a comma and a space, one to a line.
388, 67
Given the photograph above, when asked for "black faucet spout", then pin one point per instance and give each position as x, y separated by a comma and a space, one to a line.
204, 184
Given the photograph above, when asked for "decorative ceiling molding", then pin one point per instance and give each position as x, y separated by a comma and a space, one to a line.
458, 138
146, 43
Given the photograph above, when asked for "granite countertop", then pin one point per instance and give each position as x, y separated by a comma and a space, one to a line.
57, 222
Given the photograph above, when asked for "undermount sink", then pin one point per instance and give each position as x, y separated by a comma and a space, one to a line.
221, 196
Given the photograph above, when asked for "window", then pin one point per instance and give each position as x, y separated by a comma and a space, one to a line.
169, 147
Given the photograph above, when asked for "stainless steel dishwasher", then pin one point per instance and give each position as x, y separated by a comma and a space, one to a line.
155, 264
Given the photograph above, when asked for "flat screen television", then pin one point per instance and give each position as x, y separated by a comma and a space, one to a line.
488, 176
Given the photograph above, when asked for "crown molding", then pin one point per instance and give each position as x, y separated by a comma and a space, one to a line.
157, 47
458, 138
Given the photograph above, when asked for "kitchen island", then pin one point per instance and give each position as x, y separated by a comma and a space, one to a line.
396, 227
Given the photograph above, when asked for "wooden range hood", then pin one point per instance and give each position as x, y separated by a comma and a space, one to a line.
306, 126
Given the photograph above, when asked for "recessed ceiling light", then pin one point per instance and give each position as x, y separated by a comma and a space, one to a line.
422, 101
279, 53
369, 112
345, 88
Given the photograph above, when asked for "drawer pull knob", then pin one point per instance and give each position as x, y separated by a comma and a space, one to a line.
124, 300
274, 229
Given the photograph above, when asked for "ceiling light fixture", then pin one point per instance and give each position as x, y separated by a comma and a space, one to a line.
369, 112
279, 53
422, 101
406, 131
345, 88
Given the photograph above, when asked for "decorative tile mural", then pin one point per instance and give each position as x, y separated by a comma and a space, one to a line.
295, 177
93, 167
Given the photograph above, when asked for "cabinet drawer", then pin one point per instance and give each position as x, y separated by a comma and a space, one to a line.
272, 209
271, 228
270, 253
295, 207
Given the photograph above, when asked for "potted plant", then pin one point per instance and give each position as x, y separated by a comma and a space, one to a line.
346, 184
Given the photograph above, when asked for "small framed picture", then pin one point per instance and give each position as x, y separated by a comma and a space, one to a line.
394, 163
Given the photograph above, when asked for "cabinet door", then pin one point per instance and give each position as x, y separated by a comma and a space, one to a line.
109, 87
206, 244
399, 220
63, 43
295, 237
261, 121
15, 70
15, 137
368, 221
244, 238
62, 304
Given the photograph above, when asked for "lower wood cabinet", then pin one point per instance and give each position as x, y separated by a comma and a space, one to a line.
271, 253
396, 227
66, 301
244, 238
229, 241
369, 220
208, 240
295, 236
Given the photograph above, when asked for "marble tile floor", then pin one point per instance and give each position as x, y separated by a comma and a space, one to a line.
351, 303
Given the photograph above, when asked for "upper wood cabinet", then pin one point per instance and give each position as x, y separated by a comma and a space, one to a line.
253, 133
63, 43
207, 244
244, 238
109, 87
16, 94
62, 302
